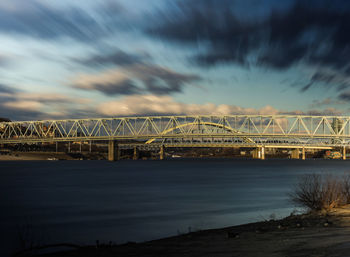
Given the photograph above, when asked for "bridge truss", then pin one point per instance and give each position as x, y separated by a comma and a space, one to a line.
202, 130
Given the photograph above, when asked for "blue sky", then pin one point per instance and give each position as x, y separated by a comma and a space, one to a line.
78, 59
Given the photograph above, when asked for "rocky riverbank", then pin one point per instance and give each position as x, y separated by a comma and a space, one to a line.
316, 234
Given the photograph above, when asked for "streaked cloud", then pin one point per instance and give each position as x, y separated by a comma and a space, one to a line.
135, 79
117, 57
43, 20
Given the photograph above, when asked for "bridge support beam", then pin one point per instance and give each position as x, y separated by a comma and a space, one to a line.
295, 153
344, 153
161, 152
136, 153
113, 151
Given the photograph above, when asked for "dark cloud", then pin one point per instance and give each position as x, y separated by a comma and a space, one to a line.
117, 57
328, 101
326, 78
161, 81
327, 111
19, 115
315, 33
345, 96
124, 87
137, 79
6, 89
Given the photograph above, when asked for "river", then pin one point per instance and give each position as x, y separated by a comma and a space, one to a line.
84, 201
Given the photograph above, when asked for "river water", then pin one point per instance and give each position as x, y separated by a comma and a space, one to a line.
84, 201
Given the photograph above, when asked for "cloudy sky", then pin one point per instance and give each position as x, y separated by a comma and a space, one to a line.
102, 58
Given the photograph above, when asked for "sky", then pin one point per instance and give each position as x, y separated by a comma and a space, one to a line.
110, 58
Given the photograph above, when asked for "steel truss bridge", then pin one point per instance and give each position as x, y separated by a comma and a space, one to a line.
256, 131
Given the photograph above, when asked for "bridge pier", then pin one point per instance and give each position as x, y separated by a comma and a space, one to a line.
161, 152
303, 153
259, 153
295, 153
262, 150
255, 153
136, 154
113, 151
344, 153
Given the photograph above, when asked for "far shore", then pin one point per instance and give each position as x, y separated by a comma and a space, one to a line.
41, 156
313, 234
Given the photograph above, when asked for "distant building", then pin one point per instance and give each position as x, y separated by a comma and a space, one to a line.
337, 125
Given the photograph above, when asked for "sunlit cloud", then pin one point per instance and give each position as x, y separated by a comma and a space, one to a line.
24, 105
152, 104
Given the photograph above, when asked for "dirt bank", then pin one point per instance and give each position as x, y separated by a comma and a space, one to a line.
301, 235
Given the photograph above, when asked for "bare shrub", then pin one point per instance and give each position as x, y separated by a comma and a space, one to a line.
321, 192
346, 187
332, 192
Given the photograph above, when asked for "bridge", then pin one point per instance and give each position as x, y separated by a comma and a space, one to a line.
257, 132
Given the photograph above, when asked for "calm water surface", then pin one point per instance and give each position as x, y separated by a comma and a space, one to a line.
82, 201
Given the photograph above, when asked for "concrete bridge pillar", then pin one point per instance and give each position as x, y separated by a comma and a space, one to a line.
259, 153
161, 152
113, 151
295, 153
136, 153
255, 153
262, 150
303, 153
344, 153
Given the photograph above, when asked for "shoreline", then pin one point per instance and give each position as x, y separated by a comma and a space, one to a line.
313, 234
63, 156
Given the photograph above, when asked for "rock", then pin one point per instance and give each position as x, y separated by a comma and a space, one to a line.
232, 235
